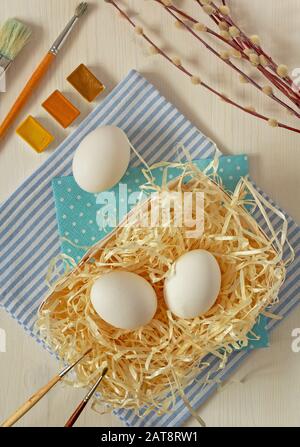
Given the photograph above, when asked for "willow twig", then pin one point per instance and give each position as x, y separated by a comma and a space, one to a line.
286, 81
227, 61
155, 49
241, 45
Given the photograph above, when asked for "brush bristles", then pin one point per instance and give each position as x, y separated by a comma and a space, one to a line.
81, 9
14, 35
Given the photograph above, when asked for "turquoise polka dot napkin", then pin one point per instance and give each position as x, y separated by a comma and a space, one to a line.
80, 220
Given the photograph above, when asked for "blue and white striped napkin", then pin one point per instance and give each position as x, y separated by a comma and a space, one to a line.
28, 228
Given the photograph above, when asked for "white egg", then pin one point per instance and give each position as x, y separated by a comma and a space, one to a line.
123, 299
101, 159
193, 286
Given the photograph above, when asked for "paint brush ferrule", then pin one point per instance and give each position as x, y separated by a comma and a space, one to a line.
4, 64
93, 389
59, 42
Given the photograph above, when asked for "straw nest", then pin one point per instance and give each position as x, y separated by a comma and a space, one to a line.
150, 366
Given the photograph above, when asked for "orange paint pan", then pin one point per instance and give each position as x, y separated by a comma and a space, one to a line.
61, 109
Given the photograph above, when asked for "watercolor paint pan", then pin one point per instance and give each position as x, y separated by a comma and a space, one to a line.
61, 109
86, 83
31, 131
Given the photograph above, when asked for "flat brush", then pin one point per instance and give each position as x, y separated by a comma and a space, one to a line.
39, 394
14, 35
71, 421
42, 69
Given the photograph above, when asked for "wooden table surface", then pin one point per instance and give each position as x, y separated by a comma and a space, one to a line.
266, 389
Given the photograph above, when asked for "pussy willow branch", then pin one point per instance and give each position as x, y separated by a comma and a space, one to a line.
228, 62
245, 42
218, 16
194, 78
232, 44
237, 44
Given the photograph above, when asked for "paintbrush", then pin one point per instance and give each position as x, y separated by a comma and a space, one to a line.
14, 35
42, 69
41, 393
71, 421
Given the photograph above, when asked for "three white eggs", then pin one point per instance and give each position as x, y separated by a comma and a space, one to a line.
124, 299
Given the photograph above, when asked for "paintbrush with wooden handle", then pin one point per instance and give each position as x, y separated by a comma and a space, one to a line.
73, 418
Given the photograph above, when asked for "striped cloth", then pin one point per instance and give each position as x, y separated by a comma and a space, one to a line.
28, 228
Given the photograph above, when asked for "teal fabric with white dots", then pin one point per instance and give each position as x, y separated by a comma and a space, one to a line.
78, 211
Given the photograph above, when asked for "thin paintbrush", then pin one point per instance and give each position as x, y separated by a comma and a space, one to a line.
14, 35
42, 69
41, 393
84, 402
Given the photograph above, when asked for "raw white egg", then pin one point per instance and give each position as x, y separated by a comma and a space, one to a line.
193, 286
101, 159
123, 299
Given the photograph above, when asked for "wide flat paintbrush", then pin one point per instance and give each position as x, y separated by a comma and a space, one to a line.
14, 35
41, 70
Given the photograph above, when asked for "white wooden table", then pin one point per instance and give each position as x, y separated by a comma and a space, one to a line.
266, 389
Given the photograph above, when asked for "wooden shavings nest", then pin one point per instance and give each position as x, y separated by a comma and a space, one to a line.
148, 367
